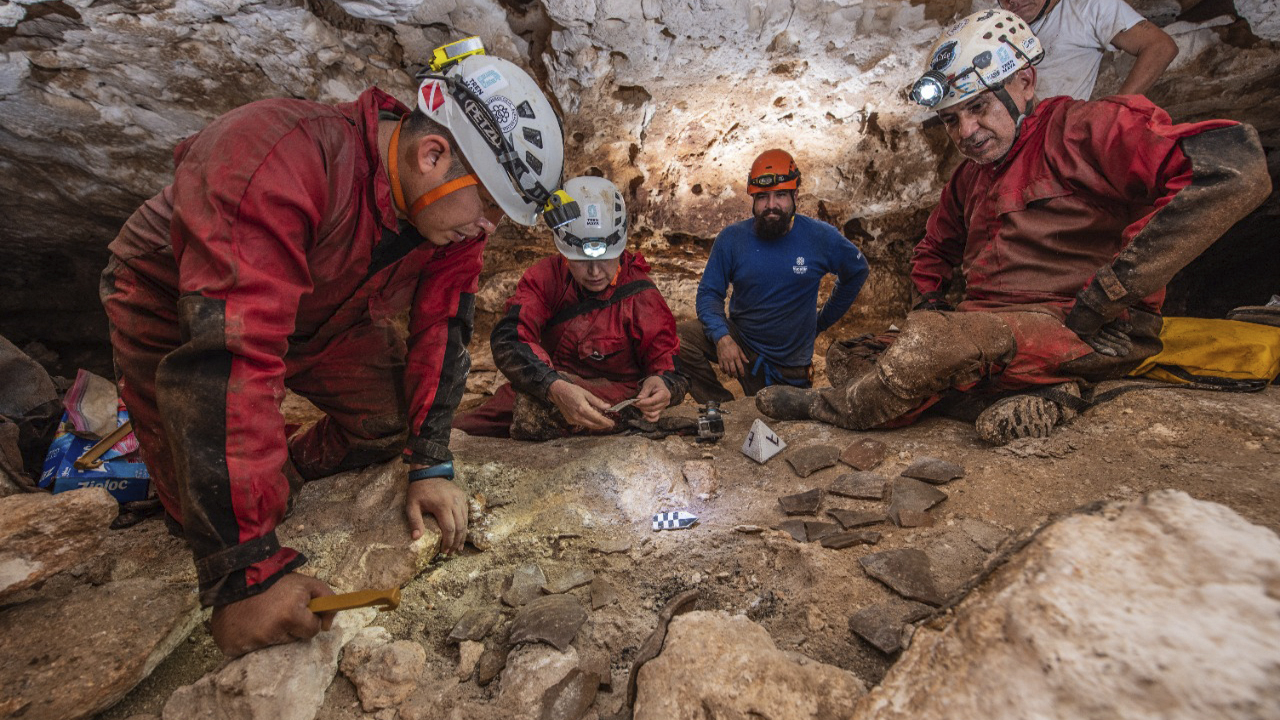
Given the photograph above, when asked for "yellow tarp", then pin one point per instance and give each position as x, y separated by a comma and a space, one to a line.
1214, 349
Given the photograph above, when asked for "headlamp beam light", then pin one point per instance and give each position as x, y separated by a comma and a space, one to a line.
594, 248
929, 89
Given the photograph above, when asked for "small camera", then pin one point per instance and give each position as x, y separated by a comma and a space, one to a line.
710, 422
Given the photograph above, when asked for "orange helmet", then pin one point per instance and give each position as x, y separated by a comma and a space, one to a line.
773, 170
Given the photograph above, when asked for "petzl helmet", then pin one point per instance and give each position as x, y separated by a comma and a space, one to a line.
599, 232
977, 53
502, 123
773, 170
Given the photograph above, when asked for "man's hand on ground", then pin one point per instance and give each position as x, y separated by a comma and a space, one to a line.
444, 501
653, 398
579, 406
733, 362
275, 616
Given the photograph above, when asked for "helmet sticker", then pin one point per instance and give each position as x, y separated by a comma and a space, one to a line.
480, 120
593, 215
504, 111
487, 80
976, 53
433, 94
945, 55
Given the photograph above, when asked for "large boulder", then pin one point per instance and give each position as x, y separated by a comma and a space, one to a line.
71, 657
353, 530
283, 682
41, 535
1164, 608
726, 666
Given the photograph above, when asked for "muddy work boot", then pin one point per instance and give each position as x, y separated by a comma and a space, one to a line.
784, 402
536, 420
1024, 416
868, 402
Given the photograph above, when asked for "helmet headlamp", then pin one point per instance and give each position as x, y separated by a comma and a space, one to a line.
768, 180
446, 55
592, 247
930, 89
560, 210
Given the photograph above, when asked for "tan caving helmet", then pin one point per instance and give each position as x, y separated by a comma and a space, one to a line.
977, 53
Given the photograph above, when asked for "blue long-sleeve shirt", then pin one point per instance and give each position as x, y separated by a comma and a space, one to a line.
775, 287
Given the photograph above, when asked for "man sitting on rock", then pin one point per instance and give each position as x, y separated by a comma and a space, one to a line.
1067, 220
292, 232
586, 329
775, 263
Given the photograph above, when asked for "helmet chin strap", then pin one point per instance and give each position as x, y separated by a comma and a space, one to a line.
425, 199
1015, 112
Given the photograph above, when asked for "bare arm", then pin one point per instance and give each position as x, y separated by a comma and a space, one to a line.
1154, 50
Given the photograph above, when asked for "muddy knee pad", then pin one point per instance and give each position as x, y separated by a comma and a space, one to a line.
938, 350
847, 360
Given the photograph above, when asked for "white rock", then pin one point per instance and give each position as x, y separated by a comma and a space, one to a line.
1263, 17
530, 671
384, 673
729, 667
1165, 608
42, 535
469, 652
284, 682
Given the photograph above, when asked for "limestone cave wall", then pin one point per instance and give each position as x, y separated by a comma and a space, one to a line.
669, 98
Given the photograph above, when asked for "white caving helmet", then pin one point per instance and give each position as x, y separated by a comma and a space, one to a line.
502, 123
977, 53
597, 229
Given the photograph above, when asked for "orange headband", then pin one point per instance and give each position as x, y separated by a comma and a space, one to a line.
397, 190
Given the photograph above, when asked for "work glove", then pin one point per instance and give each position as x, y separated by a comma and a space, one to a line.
1106, 338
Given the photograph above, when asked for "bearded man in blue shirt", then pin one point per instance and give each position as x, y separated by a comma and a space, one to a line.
775, 263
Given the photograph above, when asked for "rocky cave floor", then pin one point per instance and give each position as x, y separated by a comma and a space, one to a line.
585, 504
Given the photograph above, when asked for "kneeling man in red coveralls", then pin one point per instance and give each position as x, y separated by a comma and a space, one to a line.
292, 232
1066, 220
585, 330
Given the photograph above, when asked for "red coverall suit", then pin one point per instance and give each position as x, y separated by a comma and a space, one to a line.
608, 342
1097, 203
275, 260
